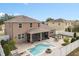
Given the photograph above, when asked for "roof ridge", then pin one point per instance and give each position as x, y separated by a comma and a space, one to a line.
22, 18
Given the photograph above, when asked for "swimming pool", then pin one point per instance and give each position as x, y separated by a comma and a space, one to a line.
38, 49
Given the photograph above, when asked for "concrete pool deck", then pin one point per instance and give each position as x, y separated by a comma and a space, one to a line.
25, 46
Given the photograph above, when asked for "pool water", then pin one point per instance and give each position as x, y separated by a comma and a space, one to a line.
38, 49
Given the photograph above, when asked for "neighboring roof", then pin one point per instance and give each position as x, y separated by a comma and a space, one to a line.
45, 26
52, 27
22, 19
42, 28
60, 20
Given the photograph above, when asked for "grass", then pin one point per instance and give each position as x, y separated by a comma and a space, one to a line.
74, 53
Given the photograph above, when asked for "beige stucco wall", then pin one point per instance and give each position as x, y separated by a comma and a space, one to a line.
58, 27
8, 29
12, 29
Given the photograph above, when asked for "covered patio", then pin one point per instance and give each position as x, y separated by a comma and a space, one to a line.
37, 35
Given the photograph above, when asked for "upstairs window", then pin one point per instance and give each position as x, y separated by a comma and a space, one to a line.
38, 24
30, 24
20, 25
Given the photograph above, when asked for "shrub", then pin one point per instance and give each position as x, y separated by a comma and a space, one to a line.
64, 44
8, 46
6, 49
73, 39
68, 29
75, 35
66, 40
11, 44
3, 42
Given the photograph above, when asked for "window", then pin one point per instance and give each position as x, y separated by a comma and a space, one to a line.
30, 24
38, 24
20, 25
22, 35
19, 36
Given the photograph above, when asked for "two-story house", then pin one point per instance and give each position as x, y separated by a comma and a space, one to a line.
26, 29
59, 25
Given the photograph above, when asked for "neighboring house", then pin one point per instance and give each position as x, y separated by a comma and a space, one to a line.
1, 51
59, 25
26, 29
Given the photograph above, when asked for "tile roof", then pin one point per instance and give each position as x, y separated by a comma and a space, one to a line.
42, 28
22, 19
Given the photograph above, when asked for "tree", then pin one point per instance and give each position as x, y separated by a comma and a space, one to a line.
8, 46
11, 44
3, 42
6, 49
75, 35
49, 19
77, 38
73, 39
5, 17
68, 29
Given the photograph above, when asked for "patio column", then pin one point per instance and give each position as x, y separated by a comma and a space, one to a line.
31, 38
40, 36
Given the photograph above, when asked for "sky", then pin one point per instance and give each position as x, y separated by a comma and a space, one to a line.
42, 11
